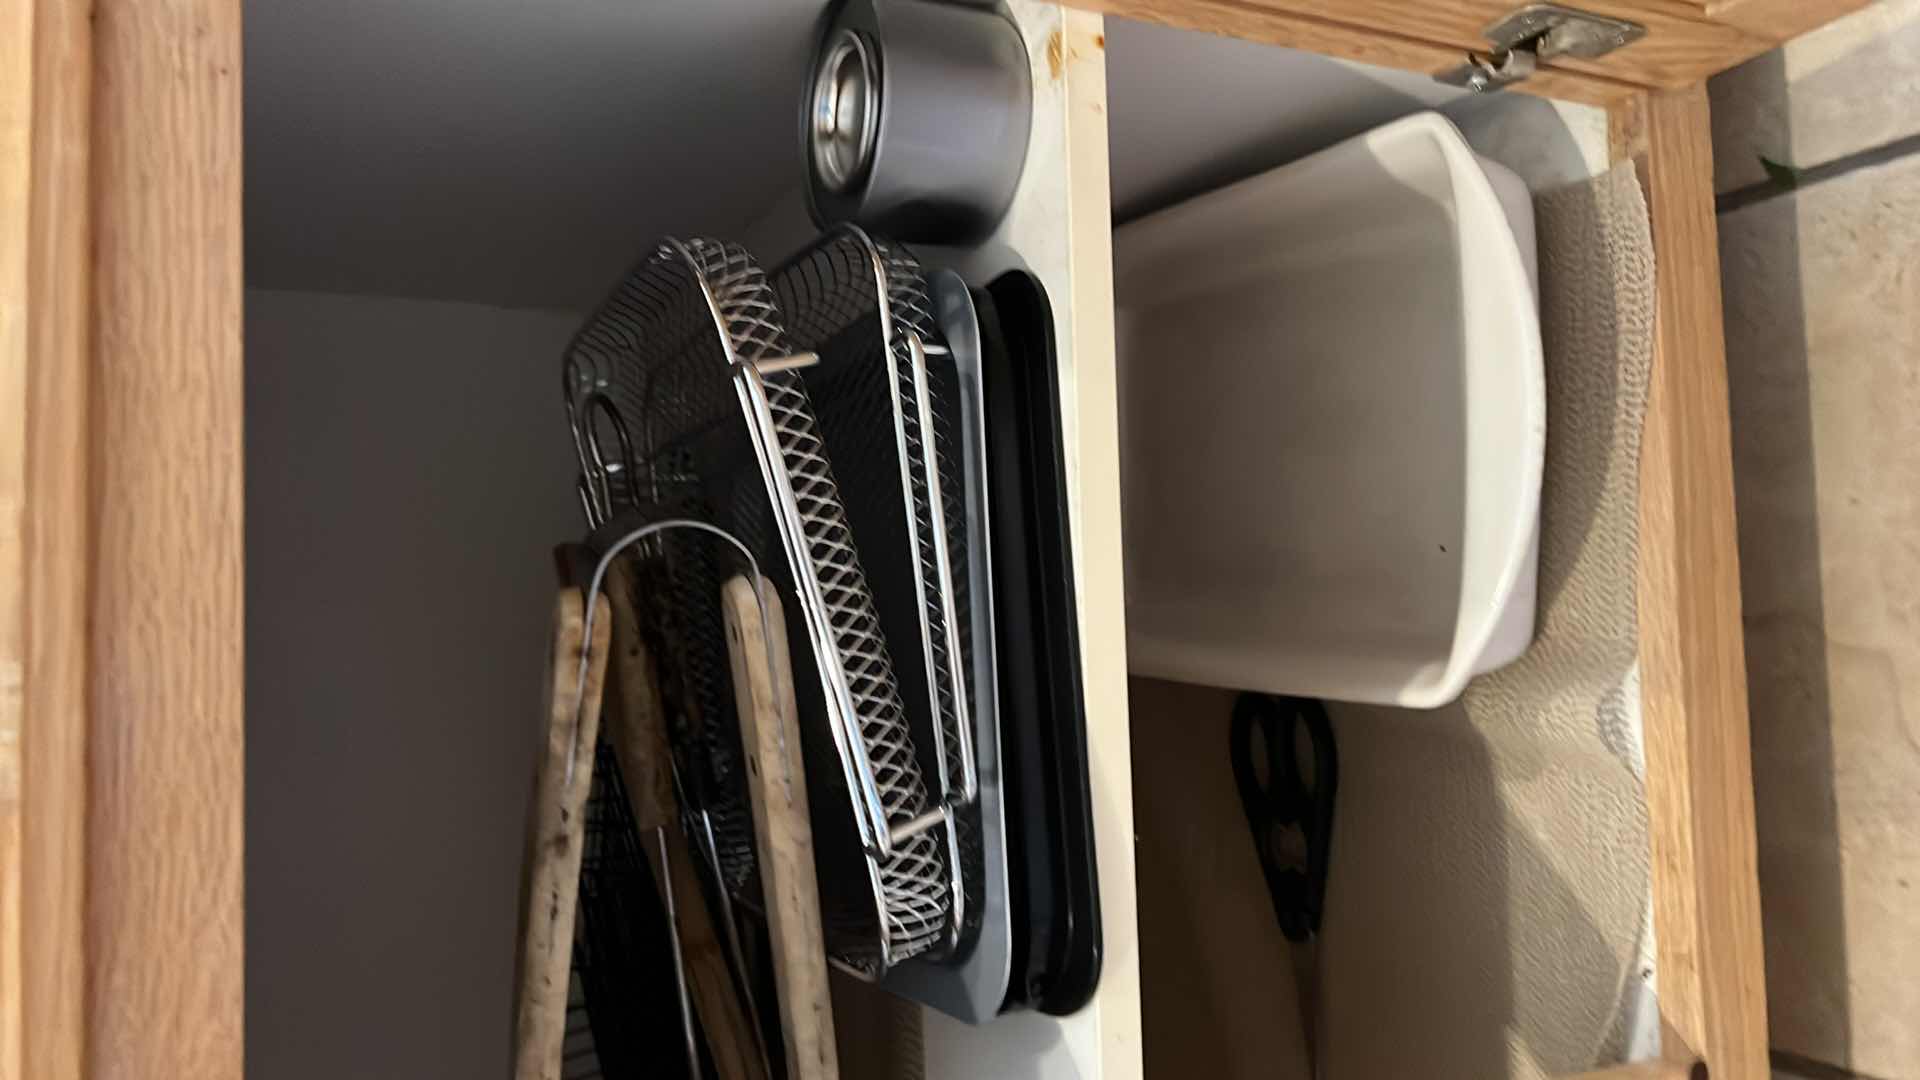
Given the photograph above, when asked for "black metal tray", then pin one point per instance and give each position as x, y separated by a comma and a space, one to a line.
1054, 894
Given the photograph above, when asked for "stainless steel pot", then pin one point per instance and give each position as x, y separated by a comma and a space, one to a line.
916, 119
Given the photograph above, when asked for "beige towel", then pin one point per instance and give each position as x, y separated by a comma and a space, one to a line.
1488, 912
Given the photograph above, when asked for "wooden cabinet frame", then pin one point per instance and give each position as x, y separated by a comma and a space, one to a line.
121, 744
121, 553
1687, 40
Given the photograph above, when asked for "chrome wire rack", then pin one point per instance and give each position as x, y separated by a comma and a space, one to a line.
861, 306
687, 396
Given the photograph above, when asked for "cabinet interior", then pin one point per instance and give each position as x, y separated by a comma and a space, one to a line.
436, 194
1451, 905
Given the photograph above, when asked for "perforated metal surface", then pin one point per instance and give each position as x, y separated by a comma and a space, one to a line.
864, 308
649, 373
937, 518
725, 444
929, 395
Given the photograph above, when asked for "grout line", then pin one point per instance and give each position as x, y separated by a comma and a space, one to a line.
1810, 1069
1808, 177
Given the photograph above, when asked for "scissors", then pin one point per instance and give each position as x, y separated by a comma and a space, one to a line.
1288, 799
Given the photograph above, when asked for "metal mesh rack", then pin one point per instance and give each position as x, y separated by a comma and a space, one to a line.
684, 402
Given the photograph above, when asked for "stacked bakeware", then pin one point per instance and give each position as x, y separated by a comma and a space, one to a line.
826, 424
708, 389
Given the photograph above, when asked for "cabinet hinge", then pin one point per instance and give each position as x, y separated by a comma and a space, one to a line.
1536, 33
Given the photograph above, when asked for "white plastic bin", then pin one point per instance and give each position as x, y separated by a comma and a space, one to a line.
1333, 420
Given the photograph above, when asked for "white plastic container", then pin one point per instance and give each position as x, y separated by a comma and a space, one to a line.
1333, 421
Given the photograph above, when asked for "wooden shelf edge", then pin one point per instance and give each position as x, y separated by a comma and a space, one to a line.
1646, 1070
1698, 39
1692, 646
1236, 18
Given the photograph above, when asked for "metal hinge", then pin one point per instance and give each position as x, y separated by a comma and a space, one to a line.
1535, 33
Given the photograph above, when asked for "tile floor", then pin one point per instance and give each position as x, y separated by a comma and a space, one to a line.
1822, 291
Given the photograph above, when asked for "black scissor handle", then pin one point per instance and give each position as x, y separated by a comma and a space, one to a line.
1288, 798
1289, 793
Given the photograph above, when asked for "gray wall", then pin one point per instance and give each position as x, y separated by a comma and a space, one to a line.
408, 472
509, 152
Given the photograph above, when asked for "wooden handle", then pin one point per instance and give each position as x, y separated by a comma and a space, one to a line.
637, 728
636, 720
551, 880
770, 734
